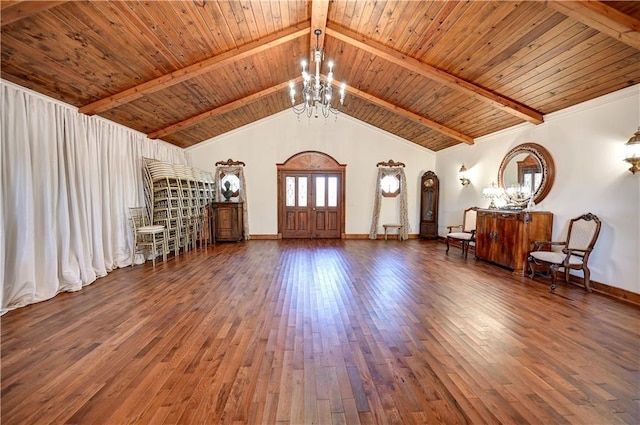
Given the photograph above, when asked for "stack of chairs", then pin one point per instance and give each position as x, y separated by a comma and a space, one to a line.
177, 197
164, 201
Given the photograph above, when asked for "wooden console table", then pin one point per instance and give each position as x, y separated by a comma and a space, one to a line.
505, 237
228, 222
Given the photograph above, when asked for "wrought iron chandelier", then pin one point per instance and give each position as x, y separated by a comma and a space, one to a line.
317, 93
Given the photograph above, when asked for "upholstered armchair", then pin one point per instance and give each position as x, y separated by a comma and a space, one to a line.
466, 233
581, 238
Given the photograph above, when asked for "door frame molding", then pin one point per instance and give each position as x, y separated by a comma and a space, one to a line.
311, 162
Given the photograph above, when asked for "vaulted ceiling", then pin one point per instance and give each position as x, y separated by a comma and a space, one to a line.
433, 72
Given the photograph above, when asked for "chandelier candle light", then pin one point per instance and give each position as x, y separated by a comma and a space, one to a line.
493, 193
316, 91
518, 193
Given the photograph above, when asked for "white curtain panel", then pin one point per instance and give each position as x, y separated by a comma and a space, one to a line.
67, 182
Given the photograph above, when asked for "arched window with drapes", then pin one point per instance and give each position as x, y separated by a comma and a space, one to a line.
386, 172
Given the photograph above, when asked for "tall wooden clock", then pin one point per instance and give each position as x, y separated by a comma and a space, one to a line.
429, 188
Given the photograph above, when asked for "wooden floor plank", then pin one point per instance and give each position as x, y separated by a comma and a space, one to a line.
321, 331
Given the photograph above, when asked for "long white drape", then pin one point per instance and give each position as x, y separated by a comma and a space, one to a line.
67, 182
242, 192
404, 212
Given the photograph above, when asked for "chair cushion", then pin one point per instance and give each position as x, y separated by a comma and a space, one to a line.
151, 229
555, 257
459, 235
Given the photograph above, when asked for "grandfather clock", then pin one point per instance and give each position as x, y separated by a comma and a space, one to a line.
429, 205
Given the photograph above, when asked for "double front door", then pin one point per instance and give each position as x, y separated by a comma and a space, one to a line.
312, 204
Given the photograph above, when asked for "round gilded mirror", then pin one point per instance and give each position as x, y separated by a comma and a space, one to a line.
526, 171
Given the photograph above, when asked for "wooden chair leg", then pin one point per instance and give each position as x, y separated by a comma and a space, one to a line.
155, 248
554, 270
587, 279
447, 246
165, 245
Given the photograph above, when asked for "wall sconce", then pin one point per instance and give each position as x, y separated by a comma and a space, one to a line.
462, 175
632, 152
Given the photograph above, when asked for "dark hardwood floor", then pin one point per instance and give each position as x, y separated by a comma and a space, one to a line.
321, 332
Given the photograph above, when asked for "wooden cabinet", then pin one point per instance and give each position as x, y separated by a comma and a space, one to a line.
429, 189
228, 222
506, 237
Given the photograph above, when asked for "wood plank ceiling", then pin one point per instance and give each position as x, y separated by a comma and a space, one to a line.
435, 73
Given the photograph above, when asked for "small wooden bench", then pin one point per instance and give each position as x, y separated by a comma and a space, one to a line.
392, 226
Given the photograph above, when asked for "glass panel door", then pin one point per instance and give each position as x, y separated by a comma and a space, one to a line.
326, 216
296, 206
312, 205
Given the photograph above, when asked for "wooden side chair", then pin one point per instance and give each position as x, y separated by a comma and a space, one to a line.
466, 234
146, 237
581, 238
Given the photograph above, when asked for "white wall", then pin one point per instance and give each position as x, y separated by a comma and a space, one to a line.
263, 144
586, 142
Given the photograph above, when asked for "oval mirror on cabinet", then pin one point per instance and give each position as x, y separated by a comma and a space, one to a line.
526, 171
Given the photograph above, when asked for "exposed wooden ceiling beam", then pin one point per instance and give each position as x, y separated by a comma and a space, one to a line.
603, 18
508, 105
319, 12
14, 11
189, 122
174, 128
196, 69
412, 116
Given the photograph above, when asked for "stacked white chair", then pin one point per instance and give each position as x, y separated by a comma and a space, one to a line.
147, 238
184, 210
165, 201
178, 197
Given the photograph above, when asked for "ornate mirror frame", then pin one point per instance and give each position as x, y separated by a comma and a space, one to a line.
546, 162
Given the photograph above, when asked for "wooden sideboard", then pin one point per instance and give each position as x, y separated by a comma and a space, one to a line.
505, 237
228, 221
